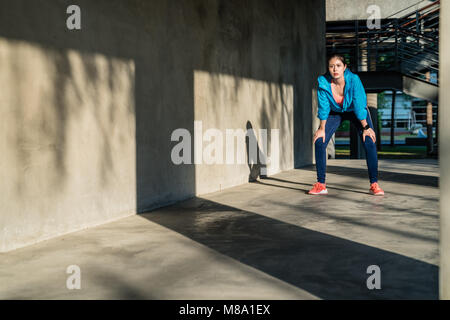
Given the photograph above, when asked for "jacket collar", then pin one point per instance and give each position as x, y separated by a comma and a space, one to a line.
326, 85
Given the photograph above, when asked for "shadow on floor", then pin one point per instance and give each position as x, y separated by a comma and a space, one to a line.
324, 265
422, 180
308, 186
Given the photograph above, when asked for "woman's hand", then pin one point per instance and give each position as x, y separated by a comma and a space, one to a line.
369, 133
320, 133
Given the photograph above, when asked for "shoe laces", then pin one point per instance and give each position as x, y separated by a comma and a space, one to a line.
319, 186
375, 186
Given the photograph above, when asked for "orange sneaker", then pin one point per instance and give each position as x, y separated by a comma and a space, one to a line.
319, 188
376, 190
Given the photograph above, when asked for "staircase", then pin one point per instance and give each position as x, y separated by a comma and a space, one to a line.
403, 54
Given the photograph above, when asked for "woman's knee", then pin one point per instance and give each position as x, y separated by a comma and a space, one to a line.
320, 144
369, 143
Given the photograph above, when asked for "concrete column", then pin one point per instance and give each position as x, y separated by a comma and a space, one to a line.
331, 148
429, 122
356, 146
372, 100
372, 103
394, 93
444, 152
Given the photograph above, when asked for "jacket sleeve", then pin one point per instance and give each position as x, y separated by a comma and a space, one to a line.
324, 104
359, 99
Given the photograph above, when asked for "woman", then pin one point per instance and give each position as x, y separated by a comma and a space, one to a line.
341, 96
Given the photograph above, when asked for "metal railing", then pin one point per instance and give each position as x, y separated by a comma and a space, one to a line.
408, 44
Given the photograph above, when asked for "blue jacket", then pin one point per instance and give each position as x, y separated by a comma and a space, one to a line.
355, 98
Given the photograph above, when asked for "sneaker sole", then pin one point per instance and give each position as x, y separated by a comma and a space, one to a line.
377, 194
318, 193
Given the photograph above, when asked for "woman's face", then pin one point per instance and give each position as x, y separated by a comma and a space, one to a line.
336, 68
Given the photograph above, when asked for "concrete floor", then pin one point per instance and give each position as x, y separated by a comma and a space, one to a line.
263, 240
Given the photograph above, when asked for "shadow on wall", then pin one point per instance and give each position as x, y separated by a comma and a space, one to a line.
256, 158
268, 106
128, 74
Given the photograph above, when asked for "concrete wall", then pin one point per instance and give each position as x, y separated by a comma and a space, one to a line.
444, 149
338, 10
241, 104
87, 116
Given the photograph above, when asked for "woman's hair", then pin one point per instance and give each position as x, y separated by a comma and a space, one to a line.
337, 56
